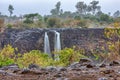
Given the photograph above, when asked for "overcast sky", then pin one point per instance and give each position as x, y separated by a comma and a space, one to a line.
44, 6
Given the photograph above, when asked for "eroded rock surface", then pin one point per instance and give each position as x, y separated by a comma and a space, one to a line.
33, 39
81, 72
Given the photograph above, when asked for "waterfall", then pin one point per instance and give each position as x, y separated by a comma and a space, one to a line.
57, 45
46, 44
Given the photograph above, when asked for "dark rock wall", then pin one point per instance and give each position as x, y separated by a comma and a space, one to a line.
33, 39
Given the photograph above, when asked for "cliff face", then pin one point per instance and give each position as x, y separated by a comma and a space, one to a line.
33, 39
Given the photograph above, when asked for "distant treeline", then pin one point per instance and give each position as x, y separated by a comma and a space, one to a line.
85, 16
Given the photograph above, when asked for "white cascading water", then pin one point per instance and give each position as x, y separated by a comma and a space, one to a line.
57, 45
47, 44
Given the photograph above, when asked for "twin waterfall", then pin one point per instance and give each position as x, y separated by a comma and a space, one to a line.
57, 44
47, 44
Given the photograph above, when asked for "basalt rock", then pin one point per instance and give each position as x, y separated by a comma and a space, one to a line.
24, 40
115, 63
85, 60
33, 39
63, 73
33, 66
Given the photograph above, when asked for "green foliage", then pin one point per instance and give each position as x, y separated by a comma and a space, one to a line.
57, 10
104, 17
82, 23
117, 19
7, 56
116, 14
7, 51
84, 12
53, 22
30, 18
81, 8
10, 9
94, 6
34, 57
112, 32
110, 51
9, 25
68, 56
28, 21
31, 15
33, 21
113, 44
77, 17
5, 61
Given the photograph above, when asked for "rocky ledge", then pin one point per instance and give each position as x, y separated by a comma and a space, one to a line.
85, 69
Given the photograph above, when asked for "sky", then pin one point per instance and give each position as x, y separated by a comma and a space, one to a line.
43, 7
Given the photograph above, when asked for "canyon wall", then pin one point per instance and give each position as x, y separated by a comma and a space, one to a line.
33, 39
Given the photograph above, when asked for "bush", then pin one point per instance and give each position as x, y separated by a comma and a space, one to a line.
9, 25
34, 57
106, 18
82, 23
117, 24
7, 56
28, 21
53, 22
68, 56
113, 44
5, 61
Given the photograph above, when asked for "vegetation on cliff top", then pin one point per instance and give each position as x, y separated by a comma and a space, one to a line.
86, 15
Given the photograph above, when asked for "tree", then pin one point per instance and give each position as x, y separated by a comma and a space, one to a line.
109, 13
66, 14
10, 9
81, 8
94, 6
53, 12
30, 17
89, 9
58, 7
57, 11
61, 11
99, 13
116, 14
99, 8
104, 17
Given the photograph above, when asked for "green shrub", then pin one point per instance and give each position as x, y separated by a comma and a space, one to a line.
7, 56
34, 57
106, 18
113, 44
53, 22
28, 21
9, 25
82, 23
68, 56
5, 61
